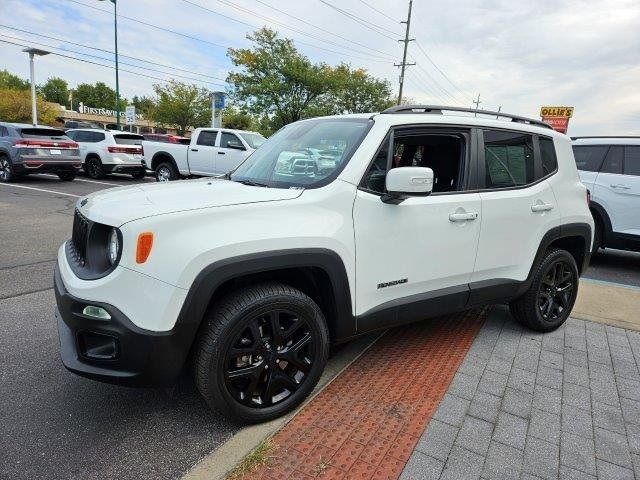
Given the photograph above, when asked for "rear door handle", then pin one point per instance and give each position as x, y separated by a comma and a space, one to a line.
541, 207
462, 217
222, 153
620, 186
194, 149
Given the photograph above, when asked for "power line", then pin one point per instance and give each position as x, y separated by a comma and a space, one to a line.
365, 23
320, 28
92, 63
109, 51
422, 86
377, 10
441, 72
300, 32
191, 37
437, 84
108, 59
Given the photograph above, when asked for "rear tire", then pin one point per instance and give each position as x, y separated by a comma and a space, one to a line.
261, 351
93, 168
7, 175
166, 172
554, 287
139, 174
67, 176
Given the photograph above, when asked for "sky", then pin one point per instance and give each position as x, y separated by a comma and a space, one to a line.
518, 55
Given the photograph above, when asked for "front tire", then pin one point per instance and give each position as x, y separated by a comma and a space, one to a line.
260, 352
166, 172
552, 294
93, 168
67, 176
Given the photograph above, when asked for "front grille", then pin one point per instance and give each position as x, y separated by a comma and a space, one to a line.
79, 237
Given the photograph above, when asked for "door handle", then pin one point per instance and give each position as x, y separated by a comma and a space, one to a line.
462, 217
194, 149
541, 207
222, 153
620, 186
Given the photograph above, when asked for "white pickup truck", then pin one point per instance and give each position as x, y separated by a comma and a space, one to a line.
211, 152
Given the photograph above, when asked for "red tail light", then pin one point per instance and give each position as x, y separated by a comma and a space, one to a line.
31, 143
132, 149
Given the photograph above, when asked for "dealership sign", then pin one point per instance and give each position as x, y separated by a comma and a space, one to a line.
82, 108
557, 117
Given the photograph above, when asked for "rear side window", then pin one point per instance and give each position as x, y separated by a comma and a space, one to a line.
97, 136
548, 156
589, 157
207, 138
127, 139
508, 159
4, 132
613, 160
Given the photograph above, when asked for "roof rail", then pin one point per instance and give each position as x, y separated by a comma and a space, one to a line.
438, 109
606, 136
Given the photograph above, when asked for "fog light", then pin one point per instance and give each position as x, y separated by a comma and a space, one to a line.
96, 312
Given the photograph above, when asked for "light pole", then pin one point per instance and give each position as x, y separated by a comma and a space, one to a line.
115, 32
32, 53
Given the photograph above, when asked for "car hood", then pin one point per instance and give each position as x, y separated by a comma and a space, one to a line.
120, 205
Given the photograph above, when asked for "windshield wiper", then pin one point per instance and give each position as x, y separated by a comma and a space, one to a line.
252, 183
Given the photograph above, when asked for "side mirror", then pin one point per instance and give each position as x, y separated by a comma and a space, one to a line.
403, 182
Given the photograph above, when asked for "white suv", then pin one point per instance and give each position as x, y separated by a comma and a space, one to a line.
109, 151
610, 169
335, 227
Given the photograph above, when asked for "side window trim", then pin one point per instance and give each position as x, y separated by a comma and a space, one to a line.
470, 153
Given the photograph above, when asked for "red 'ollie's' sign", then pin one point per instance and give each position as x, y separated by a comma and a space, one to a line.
557, 117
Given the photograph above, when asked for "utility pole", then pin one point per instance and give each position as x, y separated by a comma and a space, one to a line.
499, 108
477, 103
115, 32
404, 63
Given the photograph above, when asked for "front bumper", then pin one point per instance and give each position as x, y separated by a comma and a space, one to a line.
128, 354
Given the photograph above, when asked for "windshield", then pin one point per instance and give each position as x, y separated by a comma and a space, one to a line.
304, 154
253, 139
36, 132
128, 139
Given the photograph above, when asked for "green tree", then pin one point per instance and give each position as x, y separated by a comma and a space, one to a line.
55, 90
276, 79
98, 95
144, 105
15, 106
237, 119
9, 80
182, 105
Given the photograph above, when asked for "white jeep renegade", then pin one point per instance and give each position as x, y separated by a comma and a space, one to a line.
334, 227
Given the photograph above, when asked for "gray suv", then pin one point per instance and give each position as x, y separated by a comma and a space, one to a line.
28, 149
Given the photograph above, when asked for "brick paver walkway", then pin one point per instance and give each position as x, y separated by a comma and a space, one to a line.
524, 405
366, 423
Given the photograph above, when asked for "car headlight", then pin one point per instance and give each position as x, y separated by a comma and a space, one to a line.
113, 246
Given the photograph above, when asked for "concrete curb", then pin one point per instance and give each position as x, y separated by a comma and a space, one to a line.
219, 463
609, 303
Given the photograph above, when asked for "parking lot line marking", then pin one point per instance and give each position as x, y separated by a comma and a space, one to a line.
41, 190
83, 180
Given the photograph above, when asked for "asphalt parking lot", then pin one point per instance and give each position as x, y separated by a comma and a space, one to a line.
55, 424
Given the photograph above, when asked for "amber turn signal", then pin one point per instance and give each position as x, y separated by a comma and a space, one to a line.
145, 242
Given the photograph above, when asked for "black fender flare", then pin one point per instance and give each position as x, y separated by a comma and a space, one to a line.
606, 221
213, 276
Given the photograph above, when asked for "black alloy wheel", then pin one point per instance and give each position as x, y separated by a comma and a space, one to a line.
6, 170
270, 358
556, 290
260, 351
552, 293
